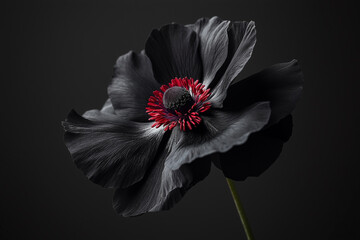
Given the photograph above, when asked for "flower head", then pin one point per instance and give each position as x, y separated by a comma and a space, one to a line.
178, 106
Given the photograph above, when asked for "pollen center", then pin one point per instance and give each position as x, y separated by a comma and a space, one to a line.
177, 98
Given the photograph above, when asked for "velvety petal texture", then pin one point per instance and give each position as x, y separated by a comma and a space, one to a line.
133, 82
213, 37
174, 52
111, 152
162, 187
186, 159
242, 37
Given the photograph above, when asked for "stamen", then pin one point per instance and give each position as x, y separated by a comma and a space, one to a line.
179, 102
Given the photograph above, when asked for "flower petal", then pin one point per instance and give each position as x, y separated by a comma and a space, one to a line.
132, 85
173, 51
213, 45
257, 154
242, 39
107, 112
186, 157
281, 84
161, 188
219, 132
110, 151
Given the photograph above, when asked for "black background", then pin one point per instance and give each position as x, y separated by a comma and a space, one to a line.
58, 55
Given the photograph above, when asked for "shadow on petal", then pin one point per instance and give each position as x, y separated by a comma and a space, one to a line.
281, 84
257, 154
244, 46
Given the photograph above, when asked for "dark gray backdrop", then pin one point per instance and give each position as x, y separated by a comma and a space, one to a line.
58, 55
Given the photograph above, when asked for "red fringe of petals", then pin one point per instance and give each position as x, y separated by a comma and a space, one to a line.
162, 117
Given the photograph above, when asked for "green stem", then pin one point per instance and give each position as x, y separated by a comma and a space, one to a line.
240, 210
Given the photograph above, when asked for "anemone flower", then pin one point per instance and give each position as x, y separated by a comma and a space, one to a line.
177, 107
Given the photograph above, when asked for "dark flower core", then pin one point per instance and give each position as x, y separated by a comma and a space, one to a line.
177, 98
178, 103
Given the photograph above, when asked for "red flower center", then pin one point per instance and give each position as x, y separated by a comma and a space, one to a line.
178, 103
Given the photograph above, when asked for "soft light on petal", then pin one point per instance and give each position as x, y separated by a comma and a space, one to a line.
244, 42
213, 45
111, 152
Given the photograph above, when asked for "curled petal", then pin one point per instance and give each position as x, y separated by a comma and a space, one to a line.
242, 39
213, 37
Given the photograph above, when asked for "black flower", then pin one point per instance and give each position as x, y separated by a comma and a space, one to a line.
176, 107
